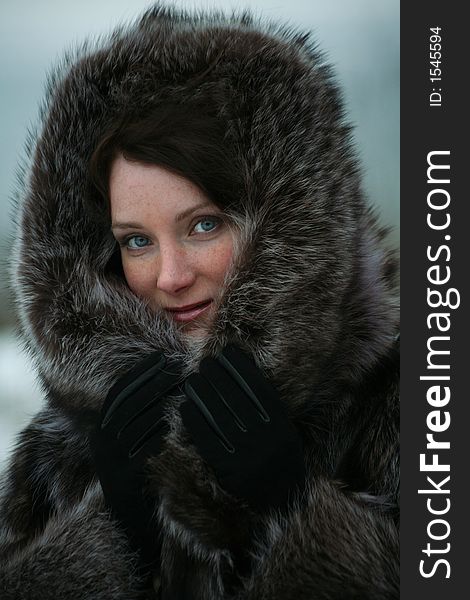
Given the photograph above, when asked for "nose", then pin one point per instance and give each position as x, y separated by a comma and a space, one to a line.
175, 273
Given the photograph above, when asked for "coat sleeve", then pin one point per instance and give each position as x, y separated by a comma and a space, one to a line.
56, 541
331, 546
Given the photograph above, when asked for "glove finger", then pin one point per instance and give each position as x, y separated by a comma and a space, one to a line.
236, 400
251, 379
152, 383
143, 435
222, 425
240, 473
140, 368
215, 450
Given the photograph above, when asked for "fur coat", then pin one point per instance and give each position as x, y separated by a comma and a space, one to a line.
313, 299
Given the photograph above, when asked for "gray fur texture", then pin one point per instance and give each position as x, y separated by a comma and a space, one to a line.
312, 296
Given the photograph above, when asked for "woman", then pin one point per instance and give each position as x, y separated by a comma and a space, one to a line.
193, 229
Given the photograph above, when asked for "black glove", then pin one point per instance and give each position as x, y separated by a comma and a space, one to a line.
241, 429
132, 429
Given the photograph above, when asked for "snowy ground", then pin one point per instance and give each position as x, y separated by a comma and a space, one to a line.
20, 397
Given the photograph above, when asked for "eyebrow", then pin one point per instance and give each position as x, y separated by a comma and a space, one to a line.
119, 225
179, 217
183, 215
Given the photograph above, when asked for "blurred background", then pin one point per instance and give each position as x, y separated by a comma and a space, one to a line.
360, 39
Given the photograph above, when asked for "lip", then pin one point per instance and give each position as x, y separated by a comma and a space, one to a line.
183, 314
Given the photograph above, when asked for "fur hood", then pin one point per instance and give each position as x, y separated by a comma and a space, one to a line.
314, 280
312, 296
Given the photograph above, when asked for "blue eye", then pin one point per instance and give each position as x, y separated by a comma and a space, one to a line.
136, 242
206, 225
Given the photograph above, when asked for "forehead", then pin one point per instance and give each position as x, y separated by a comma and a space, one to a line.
139, 189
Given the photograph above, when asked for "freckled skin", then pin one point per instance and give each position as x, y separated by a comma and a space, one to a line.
168, 261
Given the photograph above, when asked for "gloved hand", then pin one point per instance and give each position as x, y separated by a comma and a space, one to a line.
131, 430
240, 428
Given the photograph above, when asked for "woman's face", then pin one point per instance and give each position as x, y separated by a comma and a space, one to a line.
176, 246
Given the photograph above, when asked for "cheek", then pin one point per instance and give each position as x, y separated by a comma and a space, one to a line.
217, 262
139, 278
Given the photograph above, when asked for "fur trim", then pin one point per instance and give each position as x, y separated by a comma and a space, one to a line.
312, 296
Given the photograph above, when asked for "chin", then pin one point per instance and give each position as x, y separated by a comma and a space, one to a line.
197, 331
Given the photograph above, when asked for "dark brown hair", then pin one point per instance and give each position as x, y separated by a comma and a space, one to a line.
183, 139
